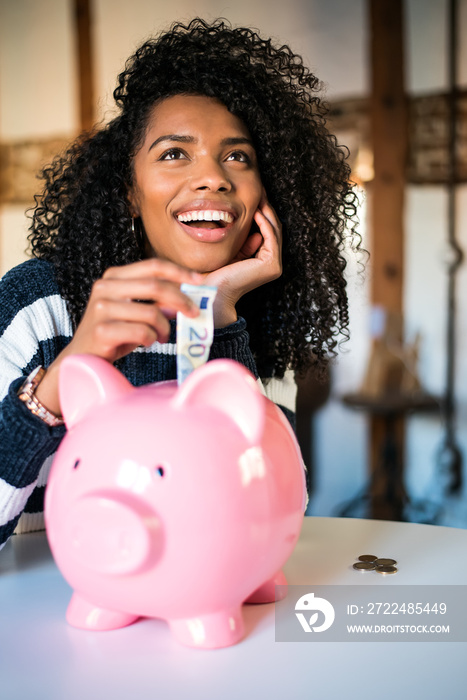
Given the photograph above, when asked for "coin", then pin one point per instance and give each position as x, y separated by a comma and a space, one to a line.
386, 569
364, 566
367, 557
385, 562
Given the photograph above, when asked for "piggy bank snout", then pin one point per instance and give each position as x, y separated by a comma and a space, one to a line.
113, 534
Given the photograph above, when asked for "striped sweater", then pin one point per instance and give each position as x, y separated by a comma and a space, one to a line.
34, 328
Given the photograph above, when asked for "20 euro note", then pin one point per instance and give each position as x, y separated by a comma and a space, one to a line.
194, 335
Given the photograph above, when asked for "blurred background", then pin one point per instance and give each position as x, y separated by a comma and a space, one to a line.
386, 435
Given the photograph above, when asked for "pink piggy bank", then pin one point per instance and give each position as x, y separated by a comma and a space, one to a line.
179, 503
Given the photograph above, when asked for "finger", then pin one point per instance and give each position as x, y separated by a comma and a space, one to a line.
270, 251
268, 210
149, 289
154, 267
110, 311
117, 338
269, 213
272, 234
251, 246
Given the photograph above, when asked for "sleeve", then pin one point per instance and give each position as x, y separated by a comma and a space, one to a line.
25, 444
33, 329
233, 342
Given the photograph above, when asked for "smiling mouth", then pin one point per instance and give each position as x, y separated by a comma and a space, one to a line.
209, 219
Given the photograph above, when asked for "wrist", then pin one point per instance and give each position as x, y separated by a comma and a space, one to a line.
225, 317
32, 397
47, 391
224, 312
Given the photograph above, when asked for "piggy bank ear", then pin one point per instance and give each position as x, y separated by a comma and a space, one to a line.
86, 381
228, 387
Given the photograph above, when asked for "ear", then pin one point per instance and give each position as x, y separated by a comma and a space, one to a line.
133, 203
86, 381
230, 388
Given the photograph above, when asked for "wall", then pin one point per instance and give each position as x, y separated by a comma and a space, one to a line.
37, 92
38, 100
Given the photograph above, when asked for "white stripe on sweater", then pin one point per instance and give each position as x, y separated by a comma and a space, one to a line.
160, 348
30, 522
282, 391
45, 470
14, 500
42, 320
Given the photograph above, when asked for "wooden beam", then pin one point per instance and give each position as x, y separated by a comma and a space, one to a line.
388, 119
389, 141
83, 21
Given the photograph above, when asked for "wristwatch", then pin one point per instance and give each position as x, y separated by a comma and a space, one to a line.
27, 394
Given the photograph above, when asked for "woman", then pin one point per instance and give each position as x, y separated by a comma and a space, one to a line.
217, 170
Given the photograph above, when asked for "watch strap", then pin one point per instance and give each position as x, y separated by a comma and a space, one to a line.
27, 394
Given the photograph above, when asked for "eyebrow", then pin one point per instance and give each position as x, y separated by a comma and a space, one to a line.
178, 138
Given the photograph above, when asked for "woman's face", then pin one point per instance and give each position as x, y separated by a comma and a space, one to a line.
196, 183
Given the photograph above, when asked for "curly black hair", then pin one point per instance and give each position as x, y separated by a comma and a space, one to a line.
82, 221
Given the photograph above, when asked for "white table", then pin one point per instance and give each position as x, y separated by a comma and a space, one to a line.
42, 658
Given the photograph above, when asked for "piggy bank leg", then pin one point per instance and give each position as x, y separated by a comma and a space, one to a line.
221, 629
87, 616
267, 592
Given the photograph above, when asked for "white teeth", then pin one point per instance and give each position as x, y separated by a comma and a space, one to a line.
211, 215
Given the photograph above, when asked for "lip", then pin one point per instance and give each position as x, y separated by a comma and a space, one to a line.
205, 205
206, 235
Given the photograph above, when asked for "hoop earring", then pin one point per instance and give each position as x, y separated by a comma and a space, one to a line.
137, 233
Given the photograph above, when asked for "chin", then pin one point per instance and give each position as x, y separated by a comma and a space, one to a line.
204, 269
207, 264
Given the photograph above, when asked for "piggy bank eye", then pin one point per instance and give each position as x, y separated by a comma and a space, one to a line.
77, 463
159, 471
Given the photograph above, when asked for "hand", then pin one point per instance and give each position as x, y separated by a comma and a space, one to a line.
117, 320
259, 261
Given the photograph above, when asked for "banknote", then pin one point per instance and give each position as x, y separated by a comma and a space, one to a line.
194, 335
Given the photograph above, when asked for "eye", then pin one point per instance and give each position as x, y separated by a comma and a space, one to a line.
173, 154
239, 156
159, 471
77, 463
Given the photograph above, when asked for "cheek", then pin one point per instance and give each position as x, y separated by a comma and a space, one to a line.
152, 192
253, 195
155, 195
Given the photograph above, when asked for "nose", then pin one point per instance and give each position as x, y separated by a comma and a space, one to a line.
211, 176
